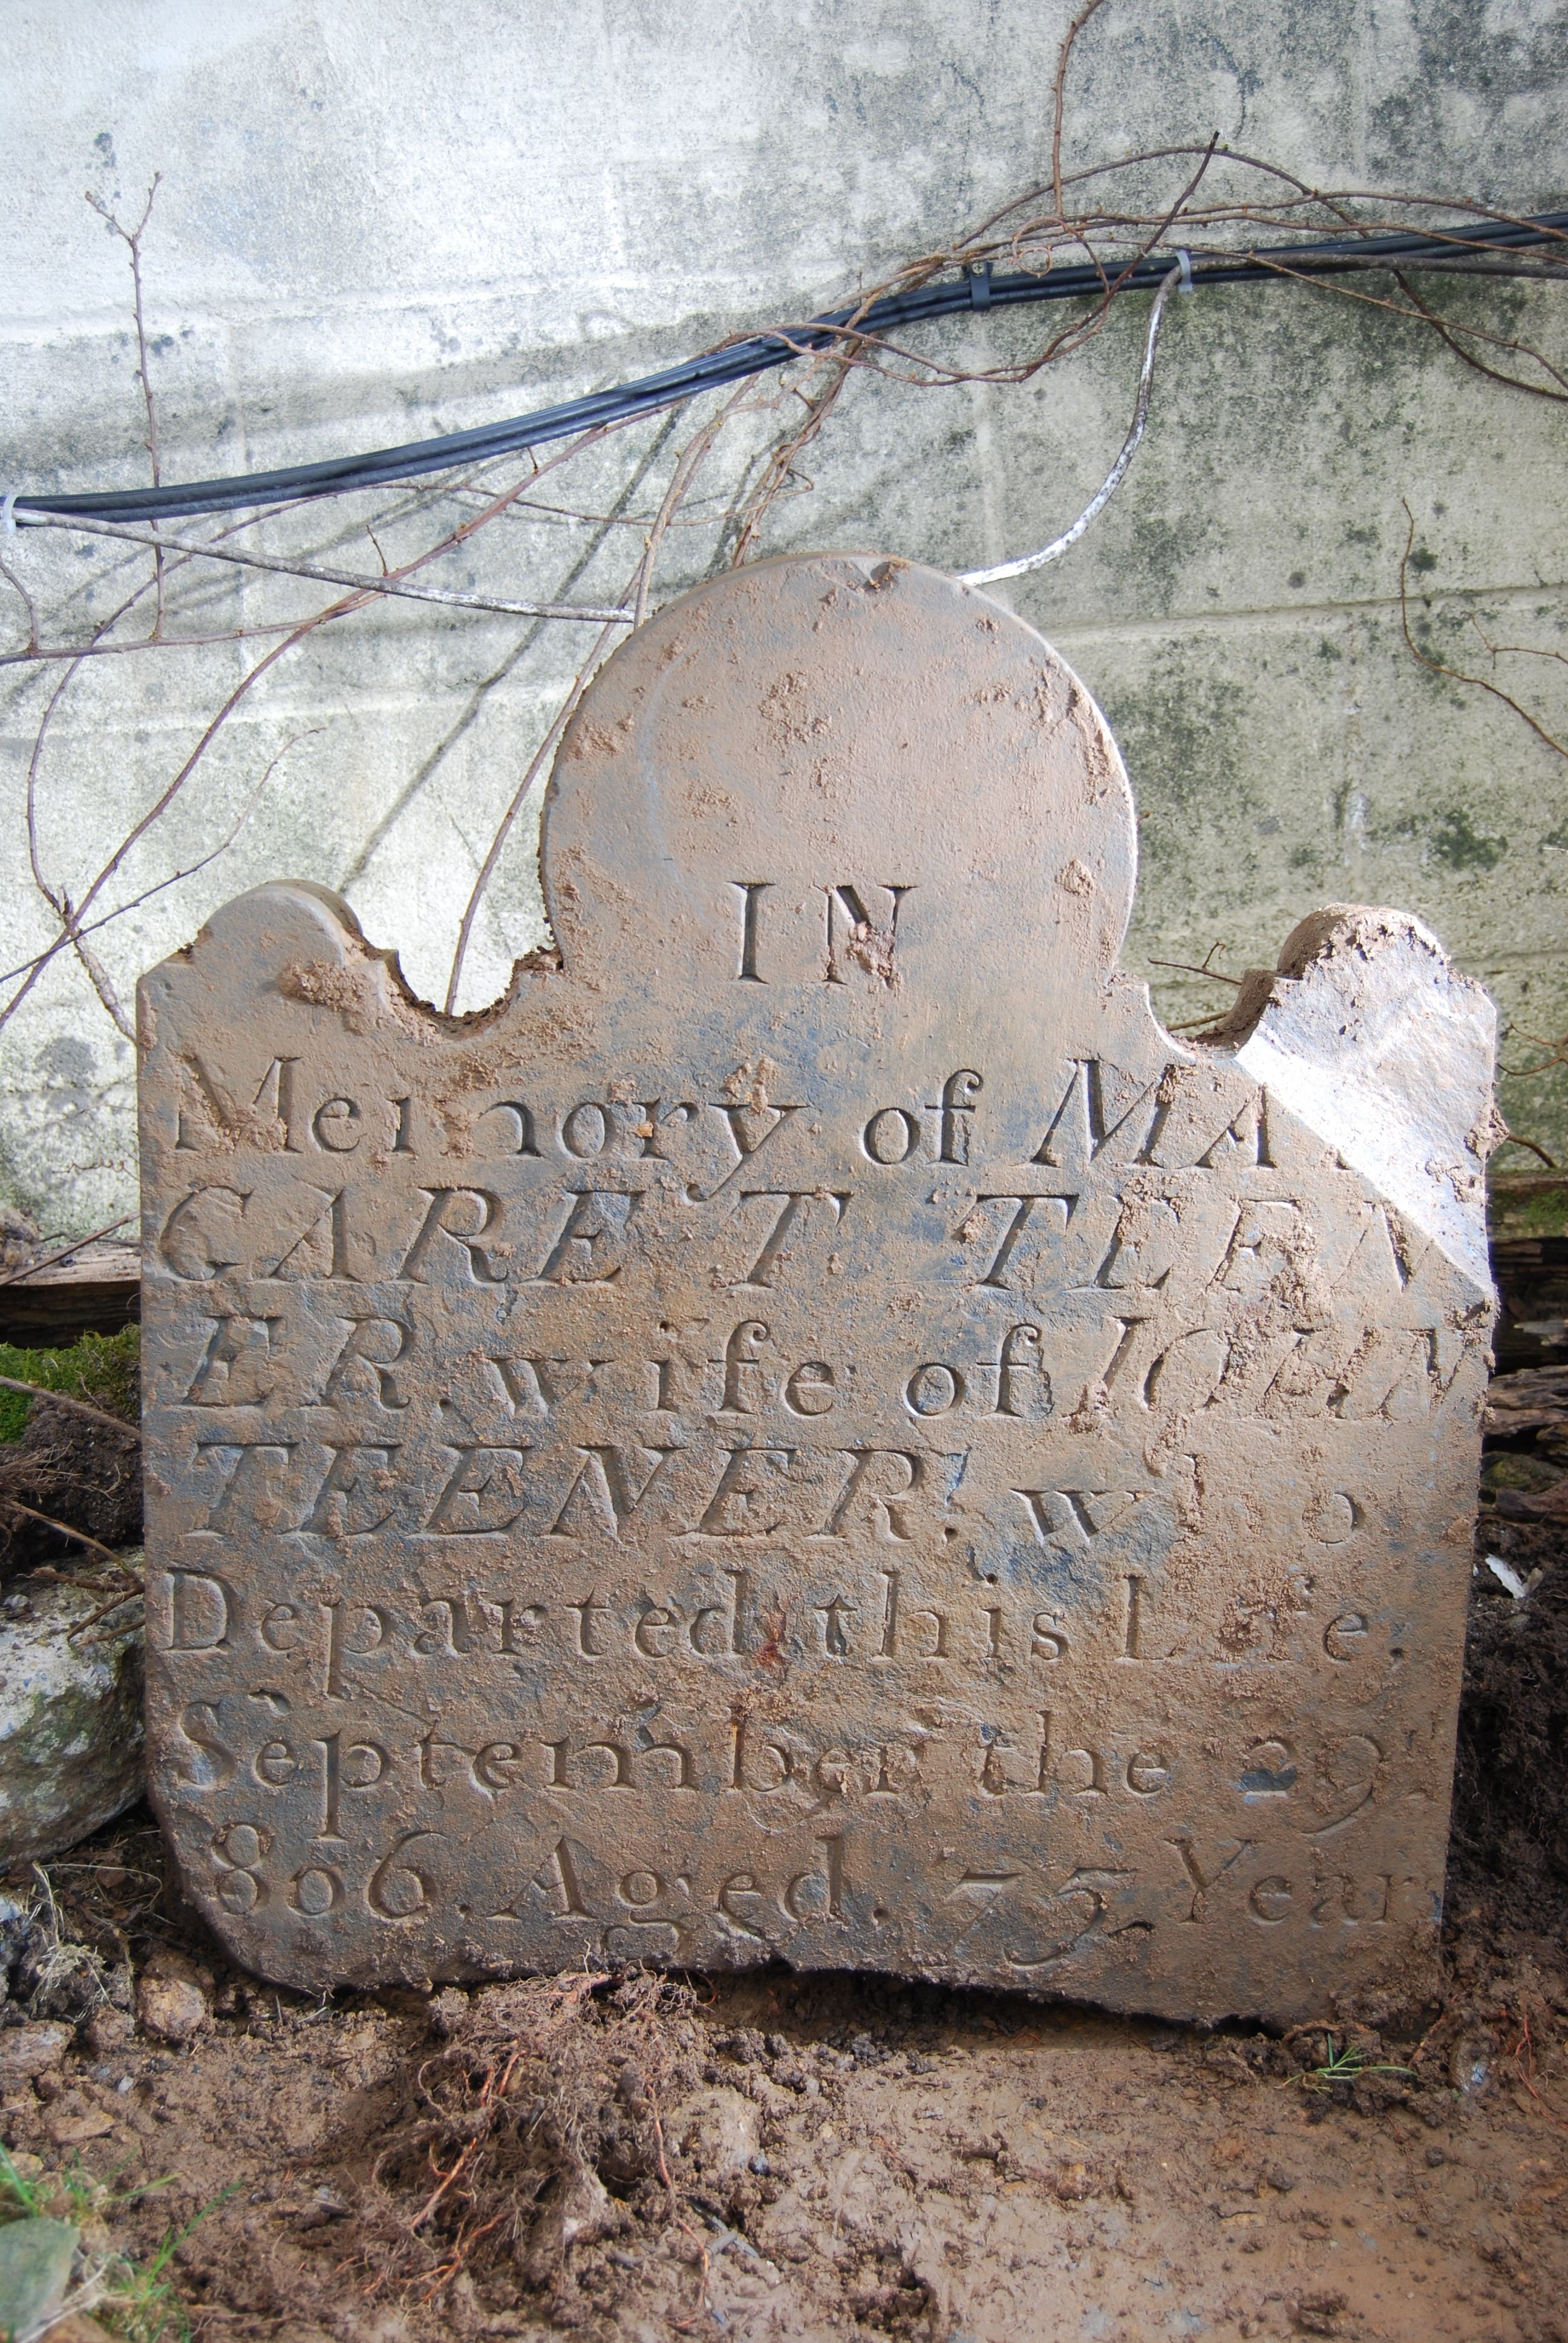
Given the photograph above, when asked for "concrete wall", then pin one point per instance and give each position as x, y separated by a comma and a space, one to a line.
378, 220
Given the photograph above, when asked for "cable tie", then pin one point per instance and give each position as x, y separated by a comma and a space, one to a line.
979, 274
9, 512
1185, 260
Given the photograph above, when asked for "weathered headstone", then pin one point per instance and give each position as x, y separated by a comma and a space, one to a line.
815, 1429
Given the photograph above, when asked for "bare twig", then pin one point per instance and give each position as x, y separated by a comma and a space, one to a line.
30, 1268
1511, 1139
503, 829
685, 468
781, 463
1440, 667
64, 1529
1216, 975
175, 878
1449, 331
1557, 1055
318, 574
1516, 650
31, 607
77, 1406
132, 239
296, 634
1058, 97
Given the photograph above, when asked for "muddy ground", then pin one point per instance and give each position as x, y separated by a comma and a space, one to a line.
800, 2158
775, 2157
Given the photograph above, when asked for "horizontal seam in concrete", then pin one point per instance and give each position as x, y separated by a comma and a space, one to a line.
1137, 630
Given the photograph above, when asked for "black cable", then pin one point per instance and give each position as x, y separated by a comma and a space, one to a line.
979, 289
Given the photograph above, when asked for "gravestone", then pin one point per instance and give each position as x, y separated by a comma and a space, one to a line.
814, 1430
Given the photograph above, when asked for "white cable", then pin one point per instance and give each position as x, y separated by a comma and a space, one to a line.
1114, 479
8, 513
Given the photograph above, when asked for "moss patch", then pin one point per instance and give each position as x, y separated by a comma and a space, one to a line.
103, 1368
1526, 1206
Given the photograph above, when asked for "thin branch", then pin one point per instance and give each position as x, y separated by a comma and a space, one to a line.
1439, 666
77, 1406
1215, 975
781, 464
685, 468
1511, 1139
15, 583
71, 653
132, 239
298, 633
1448, 331
1060, 98
98, 975
162, 803
57, 898
1557, 1055
1516, 650
316, 572
488, 868
176, 877
65, 1530
31, 1268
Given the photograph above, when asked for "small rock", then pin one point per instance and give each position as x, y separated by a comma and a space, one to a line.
631, 2090
70, 1718
325, 2207
1318, 2314
73, 2129
1470, 2065
174, 1996
719, 2131
29, 2050
21, 1240
35, 2270
449, 2012
578, 2212
109, 2030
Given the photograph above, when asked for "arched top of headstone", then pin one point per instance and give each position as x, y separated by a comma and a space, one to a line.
840, 720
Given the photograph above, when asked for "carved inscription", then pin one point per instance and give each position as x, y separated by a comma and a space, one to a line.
816, 1431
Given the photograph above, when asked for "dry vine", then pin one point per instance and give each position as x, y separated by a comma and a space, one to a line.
1221, 200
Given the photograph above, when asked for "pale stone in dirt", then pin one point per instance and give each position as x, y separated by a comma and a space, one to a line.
109, 2030
174, 1996
578, 2211
26, 2050
720, 2131
36, 2260
70, 1715
817, 1431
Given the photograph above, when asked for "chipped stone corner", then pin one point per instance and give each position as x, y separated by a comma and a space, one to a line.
1367, 1035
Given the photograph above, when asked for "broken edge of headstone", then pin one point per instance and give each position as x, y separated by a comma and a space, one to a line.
1367, 1034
